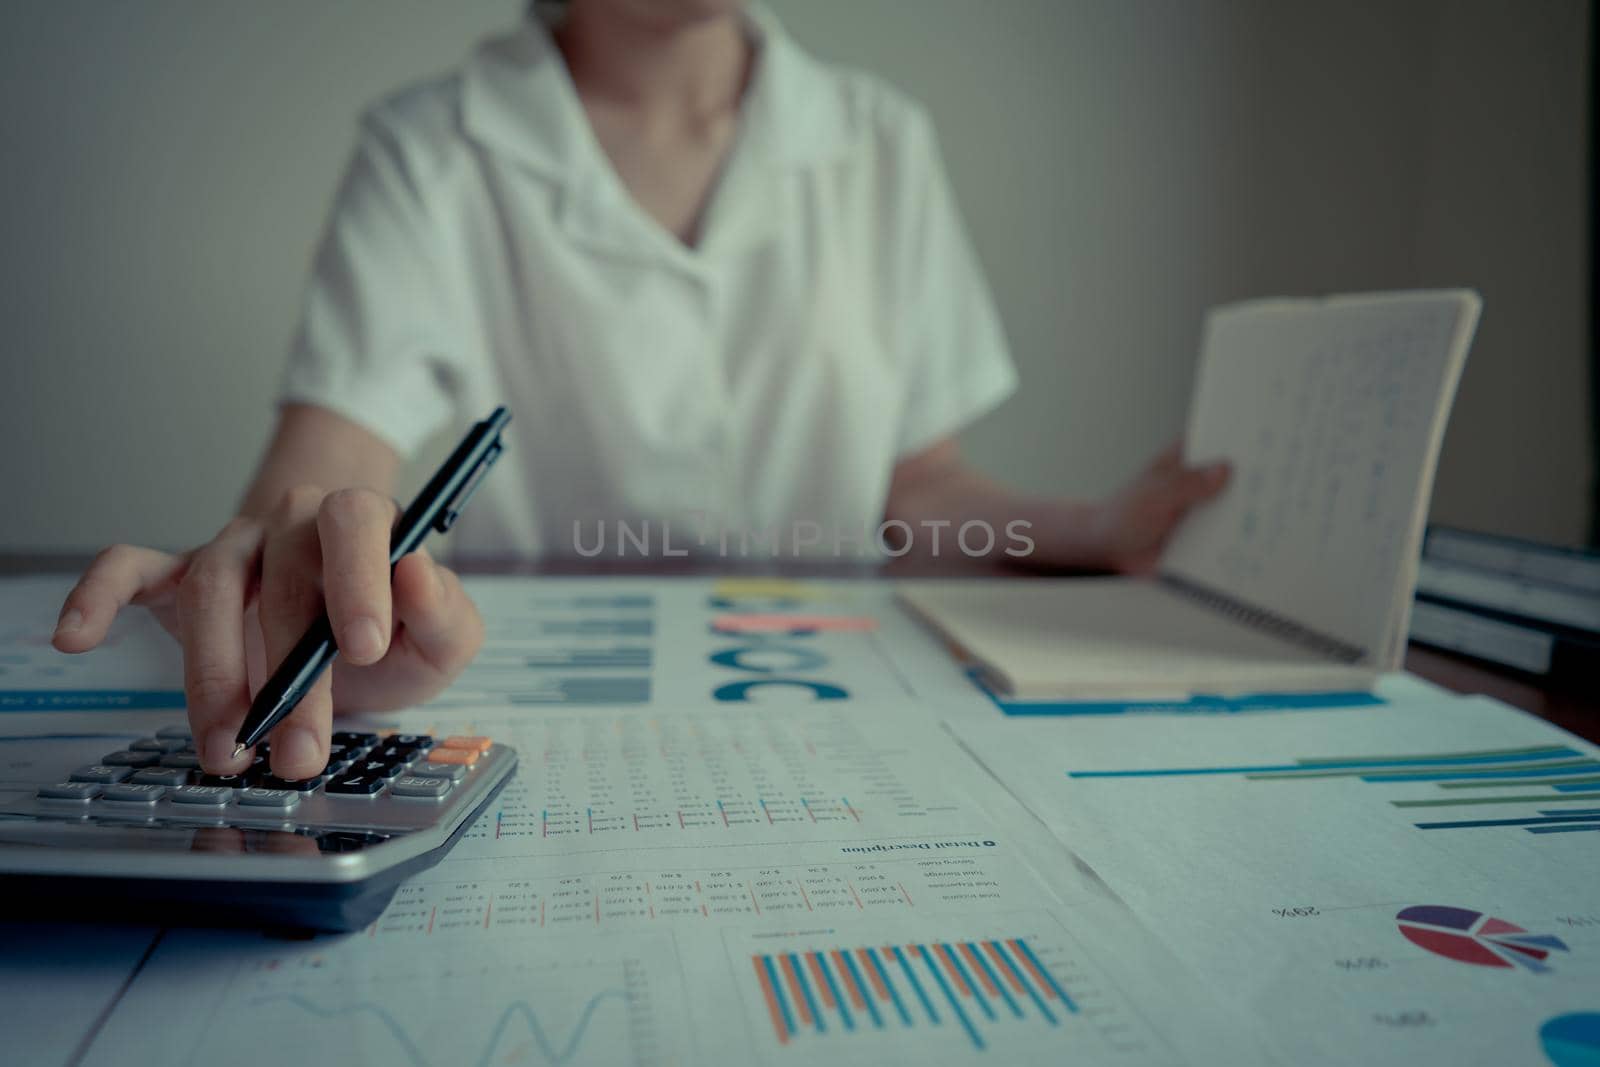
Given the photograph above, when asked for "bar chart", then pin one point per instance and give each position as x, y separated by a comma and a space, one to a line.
1020, 994
560, 648
858, 986
1543, 778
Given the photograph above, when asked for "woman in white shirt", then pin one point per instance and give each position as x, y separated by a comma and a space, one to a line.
720, 284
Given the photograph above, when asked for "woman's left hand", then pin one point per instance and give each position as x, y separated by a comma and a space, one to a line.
1128, 530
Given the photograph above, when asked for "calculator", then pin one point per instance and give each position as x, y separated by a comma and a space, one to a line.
141, 833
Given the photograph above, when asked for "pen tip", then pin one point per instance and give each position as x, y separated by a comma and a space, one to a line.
237, 751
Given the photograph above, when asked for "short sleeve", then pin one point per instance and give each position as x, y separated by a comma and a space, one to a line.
958, 365
372, 342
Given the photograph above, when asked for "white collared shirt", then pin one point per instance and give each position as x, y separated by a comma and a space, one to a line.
482, 250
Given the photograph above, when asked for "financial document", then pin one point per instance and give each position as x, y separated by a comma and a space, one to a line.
826, 846
928, 916
1414, 883
137, 667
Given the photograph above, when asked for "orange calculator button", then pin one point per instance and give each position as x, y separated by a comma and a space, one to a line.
464, 756
477, 744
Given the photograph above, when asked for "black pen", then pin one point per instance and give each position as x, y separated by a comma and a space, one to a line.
436, 507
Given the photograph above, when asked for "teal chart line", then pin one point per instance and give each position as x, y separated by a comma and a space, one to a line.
1568, 773
519, 1007
1324, 767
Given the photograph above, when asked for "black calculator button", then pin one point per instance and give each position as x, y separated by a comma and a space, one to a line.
180, 732
159, 744
130, 793
299, 785
355, 739
69, 791
375, 767
277, 799
130, 758
452, 771
99, 772
409, 740
421, 788
186, 760
230, 781
213, 796
161, 776
359, 785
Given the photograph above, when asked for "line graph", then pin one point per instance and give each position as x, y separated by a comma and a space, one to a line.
552, 1000
520, 1008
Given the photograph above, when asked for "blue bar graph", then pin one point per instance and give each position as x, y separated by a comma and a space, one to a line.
976, 984
1566, 772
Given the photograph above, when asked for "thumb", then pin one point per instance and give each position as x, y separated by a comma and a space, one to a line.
1200, 484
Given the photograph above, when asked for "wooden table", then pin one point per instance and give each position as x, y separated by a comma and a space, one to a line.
1568, 708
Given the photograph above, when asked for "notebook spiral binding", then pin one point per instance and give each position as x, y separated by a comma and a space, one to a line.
1262, 619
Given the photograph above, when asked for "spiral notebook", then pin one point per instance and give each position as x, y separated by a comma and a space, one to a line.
1299, 577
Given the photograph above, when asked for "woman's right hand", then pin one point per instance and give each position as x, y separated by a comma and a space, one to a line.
240, 602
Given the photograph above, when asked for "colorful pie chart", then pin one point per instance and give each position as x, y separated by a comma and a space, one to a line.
1472, 937
1572, 1040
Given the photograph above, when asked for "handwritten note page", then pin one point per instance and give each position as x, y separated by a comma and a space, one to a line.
1331, 413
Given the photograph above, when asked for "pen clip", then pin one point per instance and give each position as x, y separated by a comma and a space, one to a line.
452, 511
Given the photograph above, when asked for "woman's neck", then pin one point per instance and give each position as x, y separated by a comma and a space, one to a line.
695, 70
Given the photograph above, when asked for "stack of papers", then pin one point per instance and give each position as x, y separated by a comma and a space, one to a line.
830, 846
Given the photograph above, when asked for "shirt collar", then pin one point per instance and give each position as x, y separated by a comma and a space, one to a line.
518, 99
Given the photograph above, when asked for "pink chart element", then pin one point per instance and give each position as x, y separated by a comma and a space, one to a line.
1472, 937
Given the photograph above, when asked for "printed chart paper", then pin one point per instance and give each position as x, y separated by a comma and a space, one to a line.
940, 923
1411, 886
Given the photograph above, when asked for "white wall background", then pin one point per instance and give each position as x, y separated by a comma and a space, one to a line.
165, 166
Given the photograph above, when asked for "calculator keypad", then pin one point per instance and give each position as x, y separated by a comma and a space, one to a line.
372, 785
